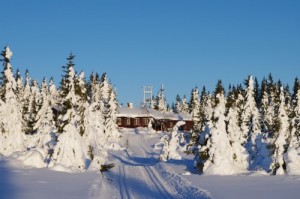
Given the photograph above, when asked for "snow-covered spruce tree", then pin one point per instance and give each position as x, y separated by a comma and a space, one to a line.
252, 138
171, 144
94, 119
217, 156
257, 93
264, 96
240, 154
288, 99
281, 134
105, 87
26, 102
108, 97
69, 152
11, 136
53, 93
160, 100
19, 88
292, 155
195, 109
33, 107
199, 140
203, 108
177, 108
94, 87
240, 99
111, 127
184, 106
45, 125
82, 100
272, 104
195, 142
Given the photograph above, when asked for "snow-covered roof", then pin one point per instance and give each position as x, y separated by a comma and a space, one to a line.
148, 112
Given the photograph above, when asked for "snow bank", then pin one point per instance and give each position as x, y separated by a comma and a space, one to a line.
32, 158
99, 158
292, 158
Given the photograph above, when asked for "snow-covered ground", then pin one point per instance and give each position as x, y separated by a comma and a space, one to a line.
139, 174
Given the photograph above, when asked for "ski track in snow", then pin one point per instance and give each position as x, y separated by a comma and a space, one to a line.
138, 174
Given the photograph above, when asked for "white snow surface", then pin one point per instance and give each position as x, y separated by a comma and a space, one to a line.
148, 112
139, 174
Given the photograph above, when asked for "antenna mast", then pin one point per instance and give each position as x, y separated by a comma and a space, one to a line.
148, 96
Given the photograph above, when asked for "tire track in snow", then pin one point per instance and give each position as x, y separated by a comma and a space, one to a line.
122, 183
161, 187
142, 176
181, 187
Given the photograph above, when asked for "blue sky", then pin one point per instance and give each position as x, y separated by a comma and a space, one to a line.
181, 44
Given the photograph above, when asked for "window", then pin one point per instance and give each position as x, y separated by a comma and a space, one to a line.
145, 121
136, 122
127, 121
119, 121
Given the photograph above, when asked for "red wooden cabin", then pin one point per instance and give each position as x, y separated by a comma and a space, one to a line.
130, 117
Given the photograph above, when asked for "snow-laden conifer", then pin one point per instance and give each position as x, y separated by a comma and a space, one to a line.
269, 116
184, 105
69, 152
281, 135
160, 100
111, 127
171, 144
264, 105
82, 100
53, 93
240, 154
33, 106
19, 88
11, 136
45, 125
195, 109
105, 88
292, 155
251, 132
178, 105
217, 155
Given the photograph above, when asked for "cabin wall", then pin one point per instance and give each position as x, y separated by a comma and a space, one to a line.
158, 125
125, 122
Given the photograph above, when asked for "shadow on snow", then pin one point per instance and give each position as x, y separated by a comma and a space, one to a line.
7, 187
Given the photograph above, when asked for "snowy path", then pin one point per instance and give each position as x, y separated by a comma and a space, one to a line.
138, 174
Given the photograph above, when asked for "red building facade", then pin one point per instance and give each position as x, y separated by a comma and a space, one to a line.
129, 117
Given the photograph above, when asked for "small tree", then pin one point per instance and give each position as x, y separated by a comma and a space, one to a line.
160, 101
195, 110
171, 144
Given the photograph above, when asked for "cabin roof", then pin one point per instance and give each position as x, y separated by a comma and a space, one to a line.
148, 112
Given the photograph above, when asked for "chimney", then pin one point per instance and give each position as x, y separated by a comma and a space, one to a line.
130, 105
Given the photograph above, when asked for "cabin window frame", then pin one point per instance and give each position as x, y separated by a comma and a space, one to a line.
136, 121
119, 121
127, 121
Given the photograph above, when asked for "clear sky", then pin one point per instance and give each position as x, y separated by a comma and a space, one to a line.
178, 43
